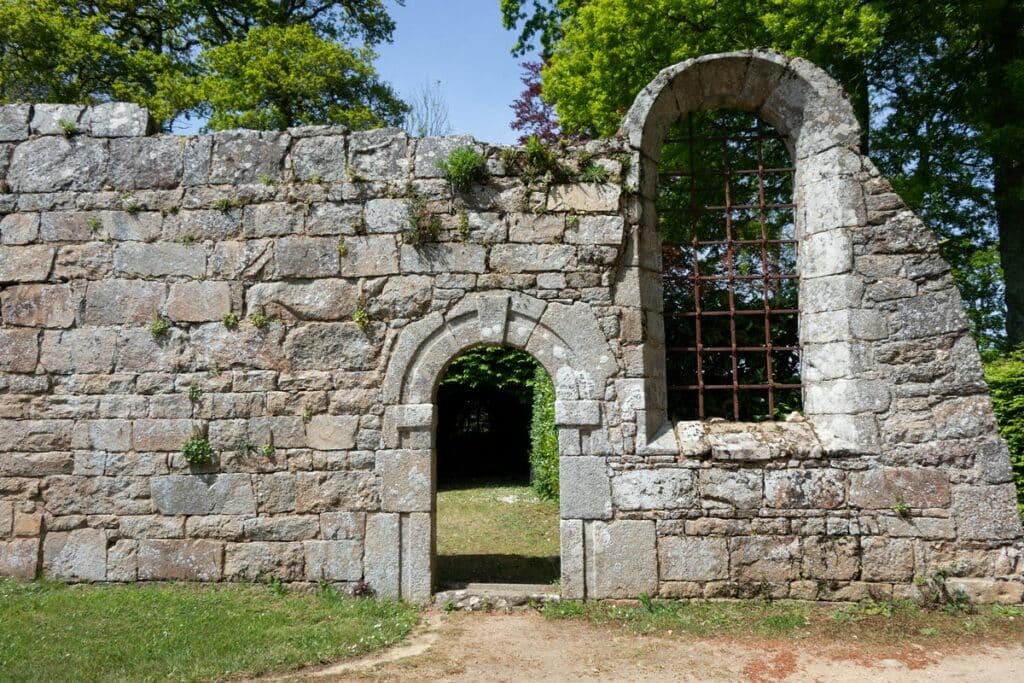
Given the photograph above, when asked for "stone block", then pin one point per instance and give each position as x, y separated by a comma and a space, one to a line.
332, 432
577, 413
321, 157
324, 299
198, 301
51, 119
57, 163
584, 197
161, 435
989, 591
529, 258
585, 488
573, 577
123, 561
273, 219
79, 555
6, 518
382, 558
831, 558
139, 351
328, 491
847, 396
160, 260
693, 558
826, 253
177, 560
202, 225
444, 258
343, 526
370, 256
19, 557
118, 302
255, 561
886, 559
19, 228
621, 559
417, 557
110, 435
734, 489
275, 493
25, 264
883, 487
831, 292
607, 230
247, 156
341, 345
282, 528
536, 229
78, 350
405, 477
14, 122
218, 347
432, 150
333, 560
334, 219
306, 257
764, 558
20, 350
655, 489
804, 489
986, 513
378, 155
40, 305
203, 494
386, 215
146, 163
116, 120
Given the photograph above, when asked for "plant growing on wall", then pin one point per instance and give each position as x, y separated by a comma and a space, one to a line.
197, 450
424, 226
464, 167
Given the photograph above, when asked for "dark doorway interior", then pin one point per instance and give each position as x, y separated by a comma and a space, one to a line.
491, 525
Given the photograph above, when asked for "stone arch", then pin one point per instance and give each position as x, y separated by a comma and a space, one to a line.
567, 340
811, 110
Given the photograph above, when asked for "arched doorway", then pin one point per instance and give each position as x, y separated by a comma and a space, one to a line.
497, 471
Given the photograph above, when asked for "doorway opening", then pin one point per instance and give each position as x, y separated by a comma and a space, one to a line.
497, 471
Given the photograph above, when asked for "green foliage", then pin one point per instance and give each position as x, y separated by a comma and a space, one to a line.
424, 225
159, 327
197, 450
936, 594
593, 173
282, 76
464, 227
342, 248
184, 632
1005, 377
267, 64
230, 321
69, 128
464, 167
259, 320
544, 437
361, 317
195, 392
901, 508
494, 367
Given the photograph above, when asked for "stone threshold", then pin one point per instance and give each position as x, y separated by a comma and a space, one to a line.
504, 597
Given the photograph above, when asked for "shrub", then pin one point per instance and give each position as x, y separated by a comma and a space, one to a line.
463, 167
544, 437
1005, 377
197, 450
424, 226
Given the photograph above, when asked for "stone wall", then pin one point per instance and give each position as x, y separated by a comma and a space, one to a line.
319, 403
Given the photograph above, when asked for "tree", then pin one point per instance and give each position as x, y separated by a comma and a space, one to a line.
938, 87
237, 61
534, 117
428, 112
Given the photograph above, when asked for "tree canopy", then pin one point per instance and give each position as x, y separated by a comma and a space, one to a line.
253, 63
938, 87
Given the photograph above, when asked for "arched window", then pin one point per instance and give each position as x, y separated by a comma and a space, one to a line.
726, 217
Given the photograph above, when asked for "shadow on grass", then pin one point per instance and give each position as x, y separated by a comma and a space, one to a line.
456, 570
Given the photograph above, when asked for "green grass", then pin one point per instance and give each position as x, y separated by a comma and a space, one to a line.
51, 631
885, 623
496, 533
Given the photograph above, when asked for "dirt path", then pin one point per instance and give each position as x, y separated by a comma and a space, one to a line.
526, 647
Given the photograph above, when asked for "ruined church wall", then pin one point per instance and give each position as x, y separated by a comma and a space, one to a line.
322, 418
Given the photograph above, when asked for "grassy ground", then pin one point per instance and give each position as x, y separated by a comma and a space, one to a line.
871, 622
496, 533
52, 632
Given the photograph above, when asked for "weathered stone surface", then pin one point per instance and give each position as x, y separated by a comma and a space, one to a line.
693, 558
817, 488
203, 494
584, 197
986, 512
405, 480
117, 119
255, 561
198, 301
247, 156
325, 299
739, 489
369, 256
159, 260
40, 305
20, 350
113, 302
332, 432
584, 488
886, 486
25, 264
621, 559
886, 559
340, 526
19, 228
336, 345
334, 219
333, 560
78, 350
19, 558
306, 257
55, 163
146, 163
165, 560
417, 556
14, 122
573, 576
79, 555
283, 528
441, 258
382, 558
764, 558
378, 155
831, 558
516, 258
320, 158
655, 489
329, 491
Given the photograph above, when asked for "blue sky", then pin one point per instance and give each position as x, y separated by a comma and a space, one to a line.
462, 44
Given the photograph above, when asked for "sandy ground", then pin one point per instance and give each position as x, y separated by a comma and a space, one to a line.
526, 647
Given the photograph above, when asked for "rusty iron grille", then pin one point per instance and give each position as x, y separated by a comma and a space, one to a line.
725, 210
